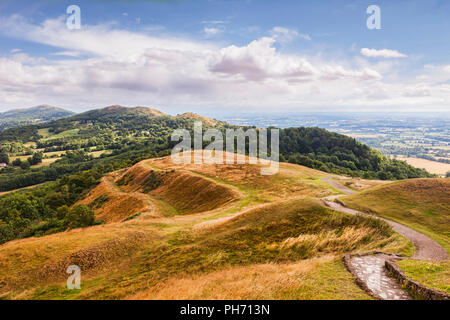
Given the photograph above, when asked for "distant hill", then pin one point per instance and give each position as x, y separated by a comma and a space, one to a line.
191, 115
128, 135
26, 116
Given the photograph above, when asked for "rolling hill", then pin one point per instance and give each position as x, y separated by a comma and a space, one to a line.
25, 116
115, 134
217, 231
420, 203
209, 229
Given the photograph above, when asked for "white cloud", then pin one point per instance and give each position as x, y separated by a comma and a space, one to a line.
286, 35
103, 65
67, 53
213, 22
417, 91
384, 53
260, 61
212, 31
102, 40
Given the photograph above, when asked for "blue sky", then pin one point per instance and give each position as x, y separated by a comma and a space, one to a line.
260, 56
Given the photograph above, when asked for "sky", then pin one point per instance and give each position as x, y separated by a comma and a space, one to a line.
226, 56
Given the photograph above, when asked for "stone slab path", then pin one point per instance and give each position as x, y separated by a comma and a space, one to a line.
371, 271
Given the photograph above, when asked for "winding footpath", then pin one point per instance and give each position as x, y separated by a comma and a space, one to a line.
370, 270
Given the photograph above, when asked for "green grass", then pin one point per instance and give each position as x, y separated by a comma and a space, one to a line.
44, 133
64, 134
431, 274
58, 292
420, 204
134, 216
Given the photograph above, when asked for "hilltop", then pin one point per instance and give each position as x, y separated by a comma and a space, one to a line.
38, 114
191, 115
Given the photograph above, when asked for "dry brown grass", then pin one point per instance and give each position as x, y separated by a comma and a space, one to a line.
290, 181
246, 236
96, 257
183, 190
33, 262
422, 204
318, 278
431, 166
119, 205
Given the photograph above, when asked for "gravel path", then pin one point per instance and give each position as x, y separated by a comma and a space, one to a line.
370, 269
338, 186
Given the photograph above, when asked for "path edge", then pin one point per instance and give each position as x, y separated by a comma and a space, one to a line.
416, 289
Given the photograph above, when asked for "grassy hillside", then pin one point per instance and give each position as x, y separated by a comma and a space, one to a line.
20, 117
121, 137
115, 133
275, 228
431, 274
422, 204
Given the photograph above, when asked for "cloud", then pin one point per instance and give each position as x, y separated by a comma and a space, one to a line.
417, 91
384, 53
286, 35
104, 65
213, 22
260, 61
101, 40
212, 31
67, 53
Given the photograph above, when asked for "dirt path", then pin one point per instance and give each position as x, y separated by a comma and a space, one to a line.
338, 186
370, 269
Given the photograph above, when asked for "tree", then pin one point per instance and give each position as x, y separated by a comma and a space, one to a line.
25, 165
80, 216
4, 158
36, 159
448, 174
17, 162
